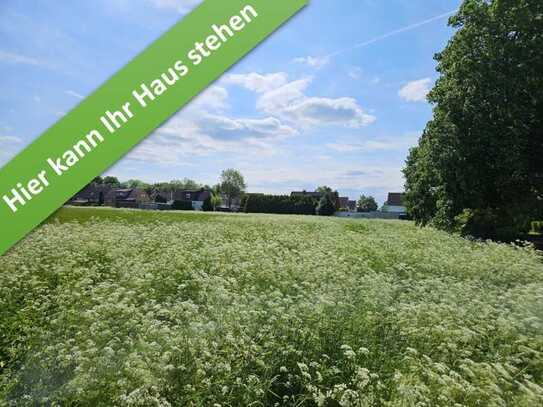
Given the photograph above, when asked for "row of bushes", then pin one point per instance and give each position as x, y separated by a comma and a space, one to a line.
182, 206
187, 205
279, 204
491, 223
537, 227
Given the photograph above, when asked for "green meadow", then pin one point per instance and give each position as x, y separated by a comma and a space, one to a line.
132, 308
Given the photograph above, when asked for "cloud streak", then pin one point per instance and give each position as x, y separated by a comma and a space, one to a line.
74, 94
386, 35
319, 62
181, 6
313, 62
18, 59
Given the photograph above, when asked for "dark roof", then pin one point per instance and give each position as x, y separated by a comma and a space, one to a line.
395, 199
124, 193
91, 193
185, 195
130, 194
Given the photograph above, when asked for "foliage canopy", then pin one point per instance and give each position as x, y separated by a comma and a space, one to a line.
478, 166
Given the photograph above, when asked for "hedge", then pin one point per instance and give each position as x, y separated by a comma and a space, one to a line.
278, 204
182, 206
537, 227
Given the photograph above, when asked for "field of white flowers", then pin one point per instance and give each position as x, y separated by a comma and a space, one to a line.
267, 310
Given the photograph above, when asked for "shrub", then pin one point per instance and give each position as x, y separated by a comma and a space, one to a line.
327, 205
160, 199
182, 206
207, 206
537, 227
278, 204
367, 204
486, 224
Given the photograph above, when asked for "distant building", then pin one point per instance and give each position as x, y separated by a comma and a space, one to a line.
346, 204
126, 198
92, 195
196, 196
352, 206
395, 203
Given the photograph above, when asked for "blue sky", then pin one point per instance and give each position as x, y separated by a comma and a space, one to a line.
335, 97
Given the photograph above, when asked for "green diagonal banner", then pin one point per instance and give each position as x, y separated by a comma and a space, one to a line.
129, 106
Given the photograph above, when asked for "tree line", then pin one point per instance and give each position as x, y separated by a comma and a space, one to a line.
478, 167
232, 186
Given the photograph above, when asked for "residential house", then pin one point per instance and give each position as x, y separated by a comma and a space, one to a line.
196, 196
92, 195
395, 204
127, 198
346, 204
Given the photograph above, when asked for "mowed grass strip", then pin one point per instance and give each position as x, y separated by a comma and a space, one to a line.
144, 308
87, 214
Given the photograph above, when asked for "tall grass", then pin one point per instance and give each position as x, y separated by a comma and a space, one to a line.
267, 310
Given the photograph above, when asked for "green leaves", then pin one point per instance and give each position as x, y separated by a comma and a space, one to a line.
483, 149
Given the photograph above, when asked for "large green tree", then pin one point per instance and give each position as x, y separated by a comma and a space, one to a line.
327, 205
479, 163
135, 183
232, 185
185, 184
111, 181
367, 204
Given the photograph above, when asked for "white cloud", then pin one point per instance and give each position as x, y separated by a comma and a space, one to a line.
183, 140
313, 62
325, 111
18, 59
9, 146
74, 94
282, 97
290, 178
257, 82
204, 128
214, 97
10, 140
178, 5
416, 91
355, 73
385, 144
199, 133
289, 102
226, 128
